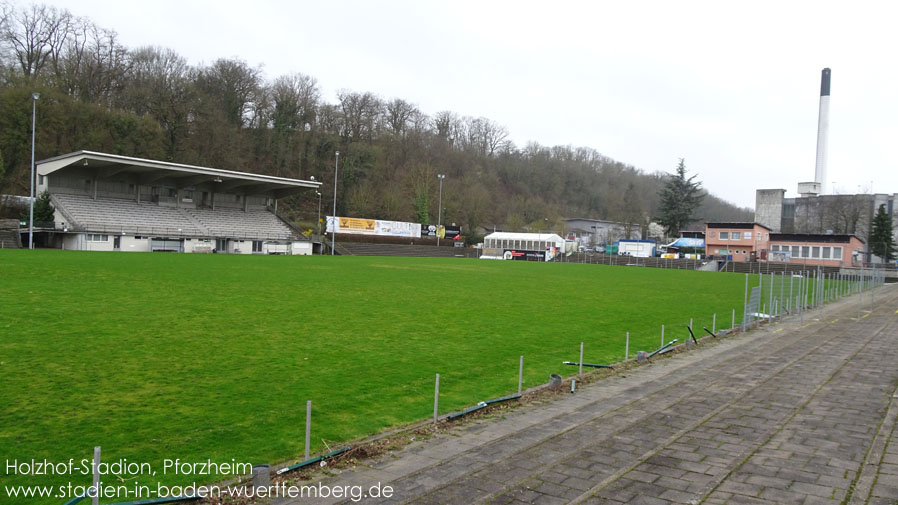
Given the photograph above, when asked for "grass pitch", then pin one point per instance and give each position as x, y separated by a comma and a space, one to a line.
199, 357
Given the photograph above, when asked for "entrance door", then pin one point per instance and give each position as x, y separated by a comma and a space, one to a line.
116, 242
221, 245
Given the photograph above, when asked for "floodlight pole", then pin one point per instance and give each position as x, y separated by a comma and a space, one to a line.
334, 226
440, 209
34, 97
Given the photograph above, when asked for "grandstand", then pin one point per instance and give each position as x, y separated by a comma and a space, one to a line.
106, 202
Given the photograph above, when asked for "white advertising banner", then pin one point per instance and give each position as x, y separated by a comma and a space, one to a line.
374, 227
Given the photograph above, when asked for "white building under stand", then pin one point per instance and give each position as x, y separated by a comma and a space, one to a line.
106, 202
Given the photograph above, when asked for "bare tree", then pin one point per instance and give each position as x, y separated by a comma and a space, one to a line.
843, 214
361, 112
93, 65
444, 122
160, 85
399, 115
234, 86
295, 100
35, 35
330, 119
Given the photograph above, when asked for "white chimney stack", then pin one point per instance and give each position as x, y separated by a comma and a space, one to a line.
823, 132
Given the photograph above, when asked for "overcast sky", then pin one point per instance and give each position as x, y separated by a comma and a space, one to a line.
732, 88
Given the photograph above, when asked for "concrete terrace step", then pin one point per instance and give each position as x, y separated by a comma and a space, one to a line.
419, 251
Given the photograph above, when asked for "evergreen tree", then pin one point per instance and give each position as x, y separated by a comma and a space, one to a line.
882, 243
680, 198
43, 209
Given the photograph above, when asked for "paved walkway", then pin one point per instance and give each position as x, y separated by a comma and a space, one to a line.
784, 414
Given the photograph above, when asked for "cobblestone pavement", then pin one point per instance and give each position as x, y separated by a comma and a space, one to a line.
789, 413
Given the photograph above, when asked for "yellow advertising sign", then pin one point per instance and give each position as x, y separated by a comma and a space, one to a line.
357, 225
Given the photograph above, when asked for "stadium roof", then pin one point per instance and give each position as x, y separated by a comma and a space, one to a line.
105, 166
738, 226
504, 235
814, 237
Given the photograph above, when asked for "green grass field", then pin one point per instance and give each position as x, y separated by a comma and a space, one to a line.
197, 357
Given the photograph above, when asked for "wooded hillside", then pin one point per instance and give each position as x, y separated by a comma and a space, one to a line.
149, 102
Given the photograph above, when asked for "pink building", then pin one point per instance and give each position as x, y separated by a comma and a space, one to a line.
816, 249
736, 241
754, 242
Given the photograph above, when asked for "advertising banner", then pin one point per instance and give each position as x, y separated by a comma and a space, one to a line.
526, 255
360, 226
355, 225
779, 256
398, 229
447, 232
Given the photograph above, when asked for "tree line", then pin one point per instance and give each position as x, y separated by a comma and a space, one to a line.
96, 94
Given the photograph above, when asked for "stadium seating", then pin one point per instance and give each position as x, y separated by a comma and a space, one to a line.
362, 249
117, 215
226, 222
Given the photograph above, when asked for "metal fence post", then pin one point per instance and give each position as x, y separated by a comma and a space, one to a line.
436, 398
308, 427
714, 323
580, 372
782, 293
627, 348
520, 374
95, 499
662, 335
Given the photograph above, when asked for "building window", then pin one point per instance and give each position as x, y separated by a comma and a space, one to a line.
747, 235
805, 251
257, 246
759, 235
774, 247
91, 237
826, 252
724, 235
796, 251
837, 253
815, 252
40, 180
